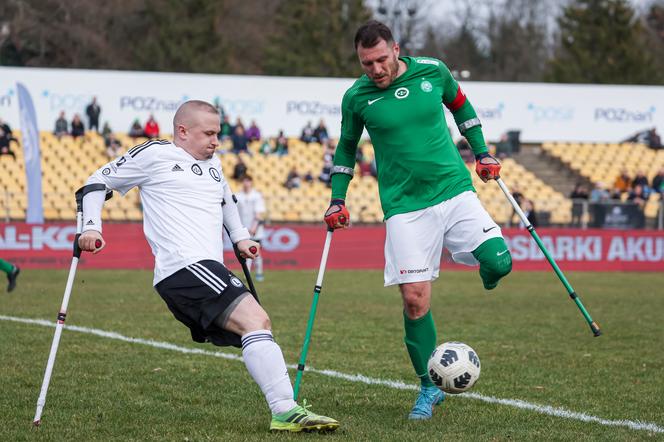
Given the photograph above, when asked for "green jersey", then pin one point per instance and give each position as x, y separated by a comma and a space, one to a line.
417, 162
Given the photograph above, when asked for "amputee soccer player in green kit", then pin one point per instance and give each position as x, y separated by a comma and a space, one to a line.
425, 189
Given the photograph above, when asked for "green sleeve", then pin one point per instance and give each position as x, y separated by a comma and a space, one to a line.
351, 131
463, 112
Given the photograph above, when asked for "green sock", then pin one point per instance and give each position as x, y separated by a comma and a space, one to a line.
6, 267
420, 341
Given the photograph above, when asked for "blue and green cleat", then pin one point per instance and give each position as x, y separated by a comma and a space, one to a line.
429, 397
299, 419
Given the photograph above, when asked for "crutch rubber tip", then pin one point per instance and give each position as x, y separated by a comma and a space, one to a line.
98, 243
596, 331
253, 249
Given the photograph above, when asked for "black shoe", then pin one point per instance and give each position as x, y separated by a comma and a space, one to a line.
11, 277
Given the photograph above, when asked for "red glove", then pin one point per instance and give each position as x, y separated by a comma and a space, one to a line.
487, 167
337, 216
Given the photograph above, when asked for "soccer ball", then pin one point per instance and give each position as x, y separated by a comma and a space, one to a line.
454, 367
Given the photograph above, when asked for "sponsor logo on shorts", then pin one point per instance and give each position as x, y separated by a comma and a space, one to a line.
236, 282
413, 271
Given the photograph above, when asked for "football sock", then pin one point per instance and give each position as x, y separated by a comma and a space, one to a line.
495, 261
6, 266
420, 341
266, 364
259, 265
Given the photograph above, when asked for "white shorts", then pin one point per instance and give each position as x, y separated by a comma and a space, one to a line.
415, 240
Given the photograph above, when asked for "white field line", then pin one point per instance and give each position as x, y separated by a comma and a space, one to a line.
517, 403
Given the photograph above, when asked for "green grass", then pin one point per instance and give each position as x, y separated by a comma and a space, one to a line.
533, 343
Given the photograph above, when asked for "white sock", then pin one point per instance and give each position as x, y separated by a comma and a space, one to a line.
265, 362
259, 265
249, 261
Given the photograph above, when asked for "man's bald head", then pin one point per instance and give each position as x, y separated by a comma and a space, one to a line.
196, 127
185, 115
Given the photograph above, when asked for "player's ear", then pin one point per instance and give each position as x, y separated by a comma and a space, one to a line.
396, 48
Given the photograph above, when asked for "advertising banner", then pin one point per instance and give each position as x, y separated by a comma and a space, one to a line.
300, 247
540, 111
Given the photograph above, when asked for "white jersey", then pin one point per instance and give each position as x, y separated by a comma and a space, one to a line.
182, 201
250, 205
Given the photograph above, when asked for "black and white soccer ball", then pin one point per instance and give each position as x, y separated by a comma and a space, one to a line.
454, 367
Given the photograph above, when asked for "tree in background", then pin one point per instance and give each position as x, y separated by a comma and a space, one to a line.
601, 41
315, 38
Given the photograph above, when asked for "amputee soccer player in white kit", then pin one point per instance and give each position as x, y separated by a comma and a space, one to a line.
186, 202
252, 214
425, 189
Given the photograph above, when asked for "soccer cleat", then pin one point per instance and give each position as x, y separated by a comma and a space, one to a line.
299, 419
428, 398
11, 277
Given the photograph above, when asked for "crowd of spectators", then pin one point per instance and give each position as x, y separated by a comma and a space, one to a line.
6, 138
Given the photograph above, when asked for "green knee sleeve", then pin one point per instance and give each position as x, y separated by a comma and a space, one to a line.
420, 341
495, 261
6, 266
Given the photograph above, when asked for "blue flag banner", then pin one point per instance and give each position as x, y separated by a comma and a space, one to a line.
32, 154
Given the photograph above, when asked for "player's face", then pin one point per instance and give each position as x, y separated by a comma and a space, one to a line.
246, 186
201, 136
380, 62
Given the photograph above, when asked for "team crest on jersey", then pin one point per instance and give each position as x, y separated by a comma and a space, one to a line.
236, 282
106, 171
401, 93
197, 169
426, 86
214, 173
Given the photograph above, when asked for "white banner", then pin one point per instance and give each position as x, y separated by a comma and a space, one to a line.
541, 111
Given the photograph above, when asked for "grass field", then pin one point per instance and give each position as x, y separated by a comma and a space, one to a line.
533, 343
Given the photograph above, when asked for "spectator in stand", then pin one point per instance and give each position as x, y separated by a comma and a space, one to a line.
253, 133
658, 183
266, 147
579, 197
226, 129
238, 122
465, 151
6, 138
111, 142
308, 177
281, 144
519, 198
239, 170
622, 184
239, 140
639, 197
528, 207
151, 129
77, 128
320, 133
136, 130
641, 180
653, 139
293, 179
220, 108
93, 111
61, 126
598, 196
307, 135
5, 127
328, 158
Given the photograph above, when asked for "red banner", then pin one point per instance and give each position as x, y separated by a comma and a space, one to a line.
300, 247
